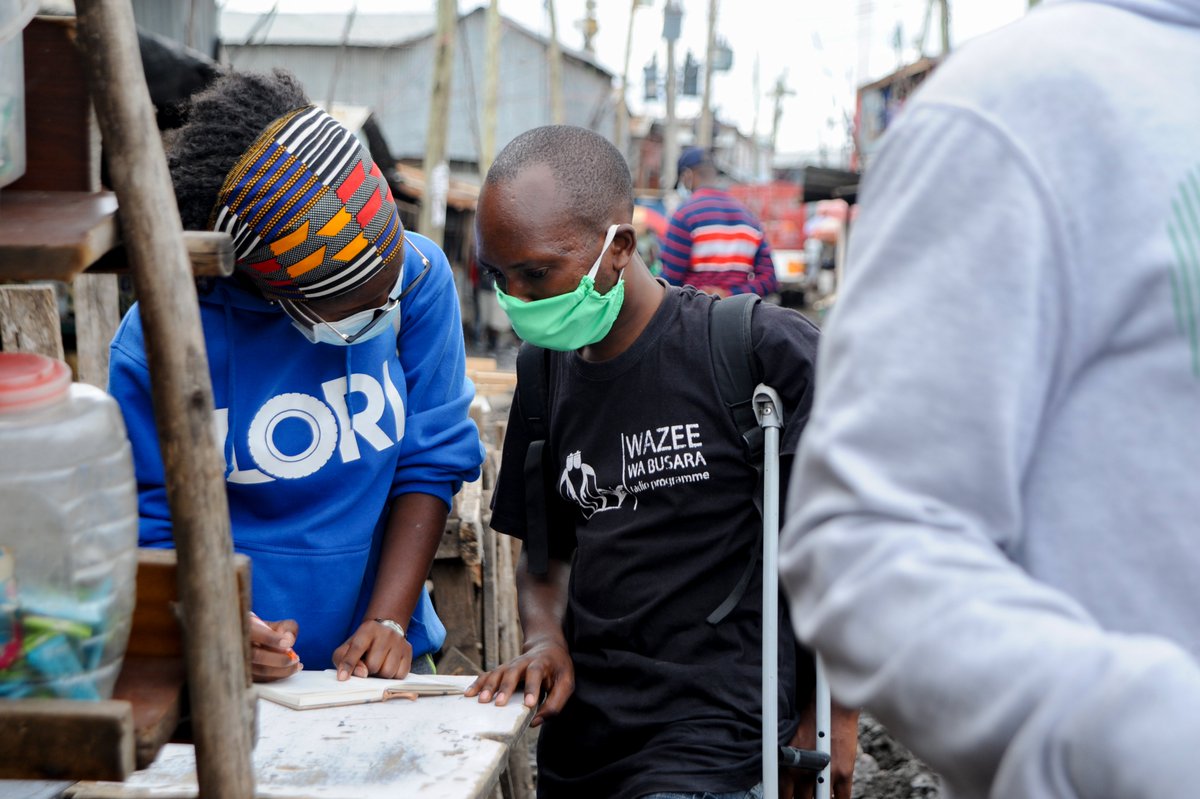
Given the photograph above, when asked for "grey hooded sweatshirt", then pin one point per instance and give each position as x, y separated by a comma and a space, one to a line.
994, 535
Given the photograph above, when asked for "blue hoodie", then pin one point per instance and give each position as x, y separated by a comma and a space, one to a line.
310, 468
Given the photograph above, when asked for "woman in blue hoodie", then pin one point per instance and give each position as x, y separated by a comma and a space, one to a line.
338, 371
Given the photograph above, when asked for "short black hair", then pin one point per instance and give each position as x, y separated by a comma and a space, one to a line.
590, 172
221, 122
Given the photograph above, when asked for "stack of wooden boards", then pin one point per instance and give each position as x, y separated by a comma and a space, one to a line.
474, 588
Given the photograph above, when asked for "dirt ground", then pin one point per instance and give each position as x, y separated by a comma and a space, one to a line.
886, 770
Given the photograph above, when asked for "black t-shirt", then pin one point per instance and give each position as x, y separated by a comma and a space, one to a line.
656, 507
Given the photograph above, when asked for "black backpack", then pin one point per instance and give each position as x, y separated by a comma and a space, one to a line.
738, 373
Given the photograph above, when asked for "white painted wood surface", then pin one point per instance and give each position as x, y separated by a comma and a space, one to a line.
31, 789
446, 747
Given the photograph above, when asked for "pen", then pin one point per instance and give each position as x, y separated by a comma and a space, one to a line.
256, 621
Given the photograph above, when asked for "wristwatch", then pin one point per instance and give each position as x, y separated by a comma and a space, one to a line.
394, 626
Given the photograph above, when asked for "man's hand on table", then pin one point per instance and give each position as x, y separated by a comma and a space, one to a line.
374, 650
544, 666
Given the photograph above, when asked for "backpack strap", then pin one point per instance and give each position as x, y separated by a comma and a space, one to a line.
738, 374
737, 369
532, 401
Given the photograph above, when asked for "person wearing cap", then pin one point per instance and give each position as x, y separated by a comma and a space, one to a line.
338, 371
713, 242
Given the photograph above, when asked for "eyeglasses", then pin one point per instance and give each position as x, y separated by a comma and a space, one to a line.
362, 323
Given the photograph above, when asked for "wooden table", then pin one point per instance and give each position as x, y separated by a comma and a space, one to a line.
435, 747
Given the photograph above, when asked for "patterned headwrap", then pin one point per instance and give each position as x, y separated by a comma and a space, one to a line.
310, 213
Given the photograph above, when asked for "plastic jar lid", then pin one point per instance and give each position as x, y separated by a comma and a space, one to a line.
29, 381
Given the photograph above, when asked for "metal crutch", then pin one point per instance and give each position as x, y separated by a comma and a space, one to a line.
769, 411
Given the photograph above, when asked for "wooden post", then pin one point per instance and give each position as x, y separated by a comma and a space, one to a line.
621, 134
491, 594
97, 315
554, 57
671, 135
779, 92
491, 90
182, 394
945, 5
433, 219
705, 135
29, 321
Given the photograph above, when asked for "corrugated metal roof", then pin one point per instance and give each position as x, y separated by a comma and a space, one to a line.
366, 30
378, 30
192, 23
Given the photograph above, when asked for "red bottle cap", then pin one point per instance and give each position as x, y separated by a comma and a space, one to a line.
29, 381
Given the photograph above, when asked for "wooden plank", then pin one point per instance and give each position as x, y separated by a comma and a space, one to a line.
448, 546
62, 141
476, 363
155, 631
454, 597
54, 235
32, 789
209, 252
154, 687
57, 235
29, 320
97, 315
182, 395
454, 663
433, 748
96, 736
491, 619
520, 768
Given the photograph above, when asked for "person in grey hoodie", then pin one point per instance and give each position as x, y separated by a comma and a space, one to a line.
996, 546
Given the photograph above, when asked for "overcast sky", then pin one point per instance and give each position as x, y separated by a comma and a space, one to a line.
826, 47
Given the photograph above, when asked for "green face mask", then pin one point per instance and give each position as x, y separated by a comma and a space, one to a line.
569, 321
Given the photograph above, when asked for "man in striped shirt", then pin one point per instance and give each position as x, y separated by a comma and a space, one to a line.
714, 243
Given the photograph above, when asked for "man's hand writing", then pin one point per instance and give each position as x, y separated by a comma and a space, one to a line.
271, 655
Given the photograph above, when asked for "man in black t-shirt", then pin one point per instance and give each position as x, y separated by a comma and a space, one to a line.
653, 519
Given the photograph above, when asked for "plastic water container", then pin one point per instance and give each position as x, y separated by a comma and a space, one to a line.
68, 533
14, 15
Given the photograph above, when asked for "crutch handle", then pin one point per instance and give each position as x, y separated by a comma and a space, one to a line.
807, 759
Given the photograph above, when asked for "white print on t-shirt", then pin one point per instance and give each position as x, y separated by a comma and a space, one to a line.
660, 457
663, 457
578, 484
331, 427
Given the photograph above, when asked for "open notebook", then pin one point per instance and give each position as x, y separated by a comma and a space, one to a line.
305, 690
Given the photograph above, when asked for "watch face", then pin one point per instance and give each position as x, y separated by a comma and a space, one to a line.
392, 625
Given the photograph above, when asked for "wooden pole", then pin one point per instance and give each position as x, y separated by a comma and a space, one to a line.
671, 135
705, 134
491, 89
433, 204
331, 95
554, 56
621, 132
925, 27
779, 92
182, 394
945, 5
